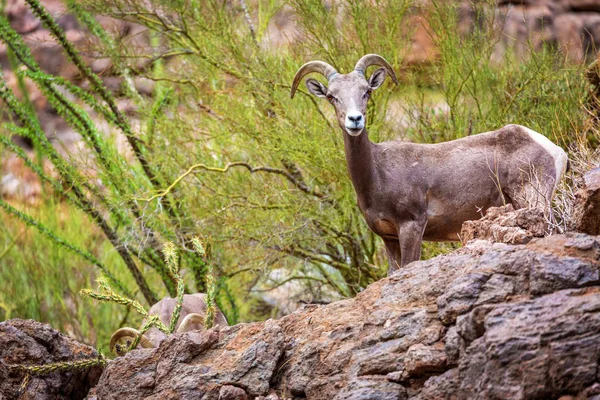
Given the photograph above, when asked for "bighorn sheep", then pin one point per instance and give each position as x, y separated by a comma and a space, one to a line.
411, 192
191, 317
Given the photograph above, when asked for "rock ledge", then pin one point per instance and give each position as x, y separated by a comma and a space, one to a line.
489, 321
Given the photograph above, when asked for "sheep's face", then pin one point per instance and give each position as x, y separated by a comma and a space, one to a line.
349, 95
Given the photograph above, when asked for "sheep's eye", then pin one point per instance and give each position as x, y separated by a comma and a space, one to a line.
368, 94
330, 97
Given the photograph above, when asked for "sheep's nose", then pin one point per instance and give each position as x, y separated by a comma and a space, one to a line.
356, 118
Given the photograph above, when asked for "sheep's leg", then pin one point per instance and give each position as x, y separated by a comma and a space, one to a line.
411, 237
392, 246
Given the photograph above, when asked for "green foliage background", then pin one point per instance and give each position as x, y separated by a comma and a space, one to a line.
221, 96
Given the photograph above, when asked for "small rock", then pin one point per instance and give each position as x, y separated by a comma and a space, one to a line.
395, 376
229, 392
272, 396
422, 360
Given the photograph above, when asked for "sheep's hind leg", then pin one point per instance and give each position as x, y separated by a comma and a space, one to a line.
392, 246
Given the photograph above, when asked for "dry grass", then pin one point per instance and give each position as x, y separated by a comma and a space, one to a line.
582, 158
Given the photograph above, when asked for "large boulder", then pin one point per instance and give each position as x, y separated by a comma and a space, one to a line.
488, 321
29, 343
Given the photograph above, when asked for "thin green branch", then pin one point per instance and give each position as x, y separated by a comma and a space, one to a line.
250, 168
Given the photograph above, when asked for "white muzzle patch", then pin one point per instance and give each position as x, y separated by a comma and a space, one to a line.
355, 123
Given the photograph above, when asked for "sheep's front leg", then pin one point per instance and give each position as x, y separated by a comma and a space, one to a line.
392, 246
411, 237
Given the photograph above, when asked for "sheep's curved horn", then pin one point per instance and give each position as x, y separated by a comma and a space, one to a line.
128, 333
313, 66
375, 59
189, 320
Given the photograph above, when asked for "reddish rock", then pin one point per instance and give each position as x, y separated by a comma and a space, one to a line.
578, 34
525, 27
423, 360
229, 392
586, 215
571, 25
505, 225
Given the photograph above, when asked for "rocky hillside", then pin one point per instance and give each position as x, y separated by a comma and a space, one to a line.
491, 321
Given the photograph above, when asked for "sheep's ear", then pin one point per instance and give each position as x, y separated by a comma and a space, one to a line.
316, 88
377, 78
